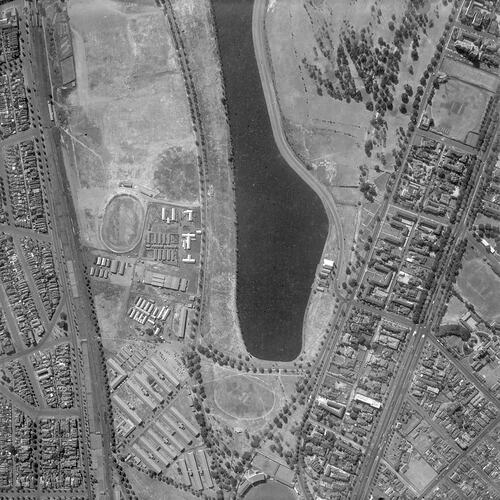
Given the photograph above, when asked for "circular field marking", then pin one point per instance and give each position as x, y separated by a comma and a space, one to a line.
241, 398
122, 224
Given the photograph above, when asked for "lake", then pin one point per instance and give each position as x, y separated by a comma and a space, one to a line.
282, 224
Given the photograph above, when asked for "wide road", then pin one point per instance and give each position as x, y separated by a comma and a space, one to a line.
264, 65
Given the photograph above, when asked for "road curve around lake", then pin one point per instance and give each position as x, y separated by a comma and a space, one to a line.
264, 65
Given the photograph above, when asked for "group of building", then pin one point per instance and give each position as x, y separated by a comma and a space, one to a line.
104, 266
40, 260
25, 186
53, 372
153, 428
17, 449
19, 294
491, 199
146, 312
403, 263
325, 275
351, 398
6, 345
14, 110
60, 465
450, 398
433, 179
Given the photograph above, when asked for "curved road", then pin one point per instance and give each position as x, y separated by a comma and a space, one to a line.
264, 65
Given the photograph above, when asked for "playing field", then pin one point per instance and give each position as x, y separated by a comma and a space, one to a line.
458, 108
469, 74
241, 396
479, 285
419, 472
122, 223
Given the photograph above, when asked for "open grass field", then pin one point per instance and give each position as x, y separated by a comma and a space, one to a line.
318, 315
245, 400
419, 472
457, 109
455, 310
147, 488
128, 117
122, 223
241, 396
470, 74
479, 285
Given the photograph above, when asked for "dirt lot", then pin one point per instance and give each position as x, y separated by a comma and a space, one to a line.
328, 133
457, 109
128, 116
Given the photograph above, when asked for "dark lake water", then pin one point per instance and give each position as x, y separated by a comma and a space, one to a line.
282, 225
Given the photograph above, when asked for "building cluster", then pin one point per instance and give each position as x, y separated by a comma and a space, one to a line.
4, 214
479, 348
14, 111
17, 380
103, 266
25, 186
25, 445
9, 36
161, 280
146, 312
154, 430
60, 466
17, 449
162, 247
491, 198
6, 446
140, 386
351, 398
479, 49
486, 456
162, 447
6, 345
416, 449
480, 15
173, 236
19, 294
434, 178
53, 371
325, 275
40, 260
449, 398
389, 483
250, 479
403, 263
469, 481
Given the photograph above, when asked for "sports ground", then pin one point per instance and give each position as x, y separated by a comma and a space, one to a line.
479, 285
